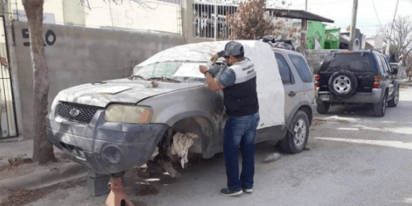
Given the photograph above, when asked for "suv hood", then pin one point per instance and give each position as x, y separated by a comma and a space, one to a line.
102, 93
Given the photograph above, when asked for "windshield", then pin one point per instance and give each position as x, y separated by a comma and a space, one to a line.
354, 62
179, 71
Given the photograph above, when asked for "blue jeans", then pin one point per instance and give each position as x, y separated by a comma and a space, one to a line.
240, 132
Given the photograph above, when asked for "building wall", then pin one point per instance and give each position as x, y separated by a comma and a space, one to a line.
78, 55
51, 9
149, 15
74, 12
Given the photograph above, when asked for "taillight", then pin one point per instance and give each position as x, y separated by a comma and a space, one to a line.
377, 82
317, 78
377, 78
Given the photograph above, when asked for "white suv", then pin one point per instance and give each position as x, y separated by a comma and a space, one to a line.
112, 126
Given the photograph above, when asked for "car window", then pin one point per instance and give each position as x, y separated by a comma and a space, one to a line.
301, 67
284, 69
385, 65
379, 63
355, 62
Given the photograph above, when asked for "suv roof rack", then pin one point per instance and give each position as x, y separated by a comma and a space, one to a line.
375, 50
285, 44
269, 38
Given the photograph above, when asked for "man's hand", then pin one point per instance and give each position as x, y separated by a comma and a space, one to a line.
203, 69
214, 59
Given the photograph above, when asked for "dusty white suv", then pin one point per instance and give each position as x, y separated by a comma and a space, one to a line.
112, 126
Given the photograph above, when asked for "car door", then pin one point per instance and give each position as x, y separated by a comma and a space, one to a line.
386, 75
289, 85
305, 86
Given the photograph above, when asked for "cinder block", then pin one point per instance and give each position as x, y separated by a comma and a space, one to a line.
93, 174
98, 186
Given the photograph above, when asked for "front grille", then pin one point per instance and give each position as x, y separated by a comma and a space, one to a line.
85, 115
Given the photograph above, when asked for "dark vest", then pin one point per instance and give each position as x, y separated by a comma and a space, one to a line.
241, 99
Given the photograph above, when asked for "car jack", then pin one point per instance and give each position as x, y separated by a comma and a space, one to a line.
117, 197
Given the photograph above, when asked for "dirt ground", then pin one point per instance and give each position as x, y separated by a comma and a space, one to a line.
22, 165
21, 197
352, 158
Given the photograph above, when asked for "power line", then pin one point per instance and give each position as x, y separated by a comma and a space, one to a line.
333, 2
394, 17
390, 35
376, 13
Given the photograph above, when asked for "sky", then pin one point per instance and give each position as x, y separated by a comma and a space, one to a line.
368, 20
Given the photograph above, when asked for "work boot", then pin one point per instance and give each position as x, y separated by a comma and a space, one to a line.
230, 193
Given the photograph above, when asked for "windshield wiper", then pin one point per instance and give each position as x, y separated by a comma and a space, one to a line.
136, 76
99, 82
164, 78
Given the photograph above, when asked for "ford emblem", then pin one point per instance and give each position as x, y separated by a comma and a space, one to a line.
74, 112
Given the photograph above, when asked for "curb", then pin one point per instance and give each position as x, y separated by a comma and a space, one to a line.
67, 172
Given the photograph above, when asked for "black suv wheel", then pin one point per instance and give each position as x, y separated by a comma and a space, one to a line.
343, 83
394, 102
379, 109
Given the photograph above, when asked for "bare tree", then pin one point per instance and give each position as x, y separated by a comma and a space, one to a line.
42, 148
399, 34
249, 22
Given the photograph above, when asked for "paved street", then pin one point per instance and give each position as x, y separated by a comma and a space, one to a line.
352, 159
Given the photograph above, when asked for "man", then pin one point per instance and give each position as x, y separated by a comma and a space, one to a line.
238, 83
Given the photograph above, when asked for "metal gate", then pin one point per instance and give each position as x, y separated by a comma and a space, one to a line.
7, 109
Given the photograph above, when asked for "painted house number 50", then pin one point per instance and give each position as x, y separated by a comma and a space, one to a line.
50, 37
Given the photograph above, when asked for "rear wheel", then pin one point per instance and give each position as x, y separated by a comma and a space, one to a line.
297, 135
394, 102
379, 109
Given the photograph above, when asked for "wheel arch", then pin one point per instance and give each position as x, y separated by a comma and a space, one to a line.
198, 123
308, 110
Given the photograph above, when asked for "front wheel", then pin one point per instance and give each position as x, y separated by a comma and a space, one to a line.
394, 102
297, 135
379, 109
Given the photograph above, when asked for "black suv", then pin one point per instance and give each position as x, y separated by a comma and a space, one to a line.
357, 77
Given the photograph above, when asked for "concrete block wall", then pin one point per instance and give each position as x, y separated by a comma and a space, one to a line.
78, 55
315, 57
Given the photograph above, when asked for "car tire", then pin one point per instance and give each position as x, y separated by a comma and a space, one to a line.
394, 102
298, 127
379, 109
343, 83
322, 107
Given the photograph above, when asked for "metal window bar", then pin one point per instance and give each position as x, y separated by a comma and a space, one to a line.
209, 20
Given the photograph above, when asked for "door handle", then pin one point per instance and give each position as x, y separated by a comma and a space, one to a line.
292, 94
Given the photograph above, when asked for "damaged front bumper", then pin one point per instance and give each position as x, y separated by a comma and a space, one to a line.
105, 147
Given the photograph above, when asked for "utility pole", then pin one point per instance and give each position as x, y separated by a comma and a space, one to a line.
306, 5
353, 26
388, 44
304, 30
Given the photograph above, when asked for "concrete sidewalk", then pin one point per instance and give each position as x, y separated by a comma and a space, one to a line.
33, 175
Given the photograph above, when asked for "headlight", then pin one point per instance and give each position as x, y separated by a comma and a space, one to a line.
128, 114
